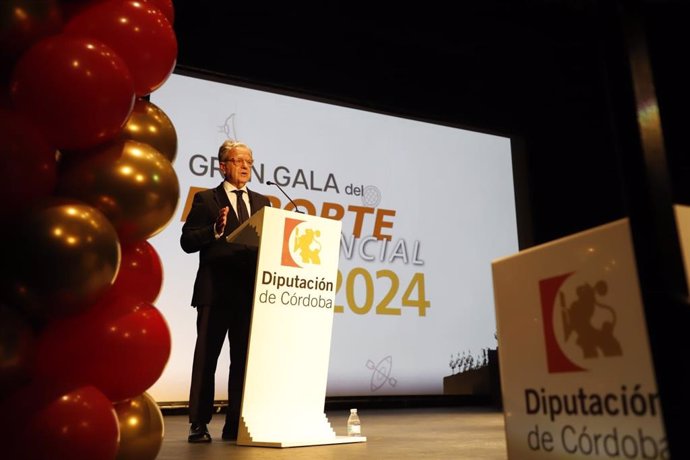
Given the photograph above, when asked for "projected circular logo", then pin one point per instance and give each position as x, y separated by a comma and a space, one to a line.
371, 196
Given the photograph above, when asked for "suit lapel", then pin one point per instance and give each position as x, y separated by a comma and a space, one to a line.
222, 200
221, 197
252, 202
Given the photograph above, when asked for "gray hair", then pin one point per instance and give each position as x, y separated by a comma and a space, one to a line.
228, 145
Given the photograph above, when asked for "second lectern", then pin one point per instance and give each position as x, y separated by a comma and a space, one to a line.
290, 336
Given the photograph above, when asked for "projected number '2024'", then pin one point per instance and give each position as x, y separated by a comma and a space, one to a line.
414, 295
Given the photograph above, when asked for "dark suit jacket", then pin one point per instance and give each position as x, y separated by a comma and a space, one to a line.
226, 270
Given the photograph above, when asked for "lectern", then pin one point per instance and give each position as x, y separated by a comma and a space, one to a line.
291, 325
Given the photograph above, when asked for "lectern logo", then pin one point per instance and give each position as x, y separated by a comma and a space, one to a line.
583, 329
300, 243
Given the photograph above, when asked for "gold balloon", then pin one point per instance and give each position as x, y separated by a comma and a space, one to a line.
132, 183
141, 428
150, 125
64, 255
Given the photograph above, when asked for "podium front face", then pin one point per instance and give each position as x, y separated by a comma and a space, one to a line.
290, 338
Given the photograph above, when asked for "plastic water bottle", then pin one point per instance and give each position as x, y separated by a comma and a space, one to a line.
354, 427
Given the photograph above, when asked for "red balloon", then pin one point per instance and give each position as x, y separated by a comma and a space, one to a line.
120, 346
27, 163
16, 349
71, 8
141, 272
77, 90
23, 23
138, 32
43, 421
166, 7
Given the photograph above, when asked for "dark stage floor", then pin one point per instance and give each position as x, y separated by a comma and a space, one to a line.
418, 433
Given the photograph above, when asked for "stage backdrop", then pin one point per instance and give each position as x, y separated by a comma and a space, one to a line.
425, 209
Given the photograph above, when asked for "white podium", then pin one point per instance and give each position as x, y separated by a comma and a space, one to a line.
290, 335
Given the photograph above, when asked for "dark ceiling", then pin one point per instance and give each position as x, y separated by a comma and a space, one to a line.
456, 65
553, 74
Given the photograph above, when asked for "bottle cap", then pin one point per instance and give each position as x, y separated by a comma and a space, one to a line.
353, 411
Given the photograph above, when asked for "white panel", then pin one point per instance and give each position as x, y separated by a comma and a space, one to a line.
576, 370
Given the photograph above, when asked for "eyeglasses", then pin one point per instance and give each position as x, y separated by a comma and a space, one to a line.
240, 161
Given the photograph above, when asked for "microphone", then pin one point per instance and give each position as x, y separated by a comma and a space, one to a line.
286, 195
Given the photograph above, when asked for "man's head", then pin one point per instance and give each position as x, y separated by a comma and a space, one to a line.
236, 162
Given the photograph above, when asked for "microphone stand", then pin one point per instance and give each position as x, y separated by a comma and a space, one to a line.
286, 195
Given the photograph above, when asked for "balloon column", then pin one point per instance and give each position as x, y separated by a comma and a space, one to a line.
86, 178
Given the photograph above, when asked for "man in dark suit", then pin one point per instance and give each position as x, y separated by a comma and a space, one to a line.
224, 286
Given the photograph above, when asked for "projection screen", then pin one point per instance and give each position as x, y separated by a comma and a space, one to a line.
425, 209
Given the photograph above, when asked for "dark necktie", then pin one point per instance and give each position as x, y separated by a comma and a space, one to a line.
242, 213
